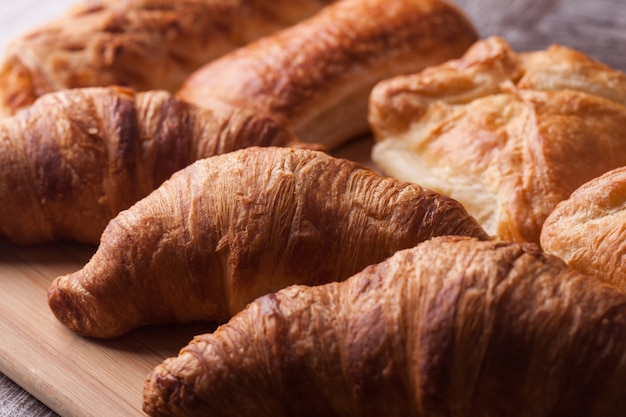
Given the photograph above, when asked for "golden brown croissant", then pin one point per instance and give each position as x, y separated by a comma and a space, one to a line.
507, 135
230, 228
588, 230
317, 74
452, 327
76, 158
143, 44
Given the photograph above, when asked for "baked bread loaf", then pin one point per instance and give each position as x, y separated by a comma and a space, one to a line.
230, 228
453, 327
142, 44
76, 158
317, 74
588, 230
508, 135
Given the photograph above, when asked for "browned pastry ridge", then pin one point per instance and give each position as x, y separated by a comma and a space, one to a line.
508, 135
76, 158
588, 230
451, 327
317, 74
142, 44
230, 228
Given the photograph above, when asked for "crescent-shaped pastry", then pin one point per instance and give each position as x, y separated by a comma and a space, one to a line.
75, 158
452, 327
230, 228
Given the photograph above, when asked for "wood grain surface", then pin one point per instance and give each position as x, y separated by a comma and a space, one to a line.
74, 376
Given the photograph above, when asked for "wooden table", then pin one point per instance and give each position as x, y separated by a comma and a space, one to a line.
597, 28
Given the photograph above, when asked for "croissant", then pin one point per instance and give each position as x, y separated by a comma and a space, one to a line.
451, 327
317, 74
142, 44
508, 135
230, 228
587, 229
76, 158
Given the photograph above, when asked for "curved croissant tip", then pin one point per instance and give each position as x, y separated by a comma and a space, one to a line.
81, 312
66, 306
160, 389
61, 304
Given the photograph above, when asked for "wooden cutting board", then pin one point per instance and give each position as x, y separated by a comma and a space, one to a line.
73, 375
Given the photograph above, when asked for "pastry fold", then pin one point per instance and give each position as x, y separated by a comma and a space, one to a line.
508, 135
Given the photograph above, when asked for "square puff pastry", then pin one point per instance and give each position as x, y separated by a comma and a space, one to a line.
507, 134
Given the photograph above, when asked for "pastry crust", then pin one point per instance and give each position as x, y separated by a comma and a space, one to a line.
317, 74
452, 327
508, 135
76, 158
588, 230
230, 228
142, 44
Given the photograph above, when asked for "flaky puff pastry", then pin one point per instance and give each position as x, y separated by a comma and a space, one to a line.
588, 230
508, 135
452, 327
76, 158
142, 44
230, 228
317, 74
